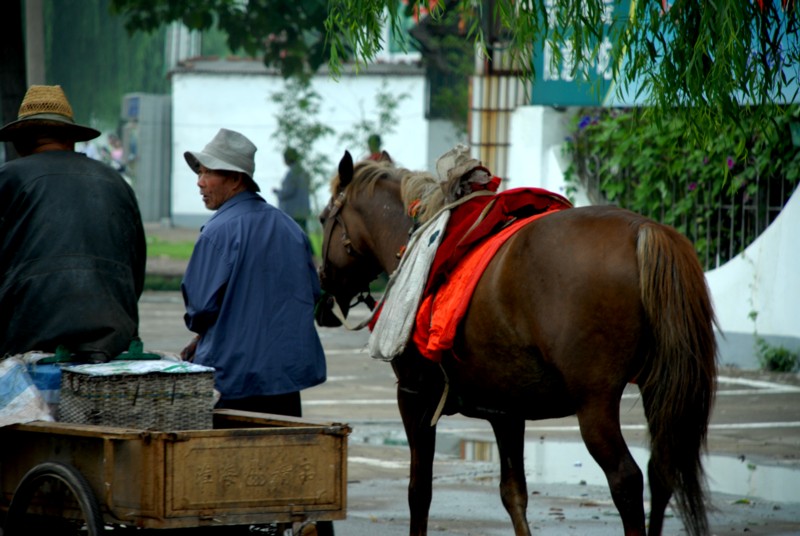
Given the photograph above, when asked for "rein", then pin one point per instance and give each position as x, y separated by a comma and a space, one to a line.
368, 300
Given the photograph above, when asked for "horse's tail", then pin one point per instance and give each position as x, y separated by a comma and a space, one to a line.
678, 384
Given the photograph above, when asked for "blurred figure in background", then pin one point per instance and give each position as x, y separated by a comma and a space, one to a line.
116, 152
293, 195
374, 147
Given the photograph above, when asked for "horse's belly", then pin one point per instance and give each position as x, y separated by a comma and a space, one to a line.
532, 394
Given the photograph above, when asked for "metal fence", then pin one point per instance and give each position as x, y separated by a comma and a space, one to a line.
721, 227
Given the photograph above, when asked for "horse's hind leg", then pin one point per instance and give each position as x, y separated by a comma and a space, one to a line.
510, 435
601, 433
660, 493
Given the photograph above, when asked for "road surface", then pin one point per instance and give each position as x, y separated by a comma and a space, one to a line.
754, 444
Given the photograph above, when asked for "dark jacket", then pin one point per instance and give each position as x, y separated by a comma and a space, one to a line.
293, 194
72, 256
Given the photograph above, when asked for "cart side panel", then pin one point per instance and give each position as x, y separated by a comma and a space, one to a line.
124, 468
21, 452
234, 474
135, 481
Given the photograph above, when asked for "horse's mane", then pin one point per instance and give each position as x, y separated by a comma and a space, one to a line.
415, 186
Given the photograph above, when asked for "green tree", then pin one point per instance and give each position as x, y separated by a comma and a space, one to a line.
290, 35
299, 128
711, 57
382, 122
90, 54
621, 156
449, 62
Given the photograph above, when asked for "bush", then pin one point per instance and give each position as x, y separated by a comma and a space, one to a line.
776, 358
721, 194
162, 282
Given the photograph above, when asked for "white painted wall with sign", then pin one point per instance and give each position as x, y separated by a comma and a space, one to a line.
209, 95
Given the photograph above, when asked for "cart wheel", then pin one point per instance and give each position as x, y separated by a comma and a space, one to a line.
54, 498
325, 528
310, 528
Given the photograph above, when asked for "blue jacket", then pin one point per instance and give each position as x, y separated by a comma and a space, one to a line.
250, 289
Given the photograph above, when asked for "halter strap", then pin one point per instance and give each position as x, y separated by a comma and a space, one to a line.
336, 309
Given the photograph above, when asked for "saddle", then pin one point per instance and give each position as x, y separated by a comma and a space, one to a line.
476, 230
428, 295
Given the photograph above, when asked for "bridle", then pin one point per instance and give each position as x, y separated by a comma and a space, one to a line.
334, 208
364, 296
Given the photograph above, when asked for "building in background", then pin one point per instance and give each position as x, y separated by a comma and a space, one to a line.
208, 94
146, 142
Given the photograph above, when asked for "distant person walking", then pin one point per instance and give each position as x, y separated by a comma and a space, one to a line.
376, 153
374, 146
293, 195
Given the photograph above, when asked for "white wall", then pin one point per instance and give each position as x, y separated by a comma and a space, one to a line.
535, 156
765, 278
204, 102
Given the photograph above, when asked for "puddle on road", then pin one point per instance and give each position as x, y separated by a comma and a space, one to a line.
568, 462
552, 462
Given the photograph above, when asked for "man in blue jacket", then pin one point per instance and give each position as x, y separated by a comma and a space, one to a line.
250, 288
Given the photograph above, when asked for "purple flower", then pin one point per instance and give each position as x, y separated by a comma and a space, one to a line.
705, 160
730, 162
692, 186
585, 122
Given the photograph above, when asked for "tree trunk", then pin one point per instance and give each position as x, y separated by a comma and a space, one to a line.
34, 42
12, 66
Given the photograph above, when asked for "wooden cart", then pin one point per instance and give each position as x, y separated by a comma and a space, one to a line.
250, 469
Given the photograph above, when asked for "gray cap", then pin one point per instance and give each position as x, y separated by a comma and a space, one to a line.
228, 151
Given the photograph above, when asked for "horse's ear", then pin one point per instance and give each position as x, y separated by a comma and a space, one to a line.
345, 169
385, 157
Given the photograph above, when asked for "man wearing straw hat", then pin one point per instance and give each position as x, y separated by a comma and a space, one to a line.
72, 245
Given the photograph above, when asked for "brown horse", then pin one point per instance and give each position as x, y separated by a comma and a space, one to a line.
571, 309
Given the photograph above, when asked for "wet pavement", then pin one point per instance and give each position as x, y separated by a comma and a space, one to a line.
754, 447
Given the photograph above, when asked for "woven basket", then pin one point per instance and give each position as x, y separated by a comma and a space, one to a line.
153, 401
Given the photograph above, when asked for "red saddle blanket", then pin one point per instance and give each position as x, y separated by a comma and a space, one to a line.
475, 232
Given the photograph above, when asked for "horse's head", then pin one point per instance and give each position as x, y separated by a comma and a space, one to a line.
352, 236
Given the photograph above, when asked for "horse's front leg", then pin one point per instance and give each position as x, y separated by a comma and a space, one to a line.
417, 405
422, 443
510, 435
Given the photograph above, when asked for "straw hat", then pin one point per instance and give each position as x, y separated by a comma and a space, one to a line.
228, 151
46, 108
